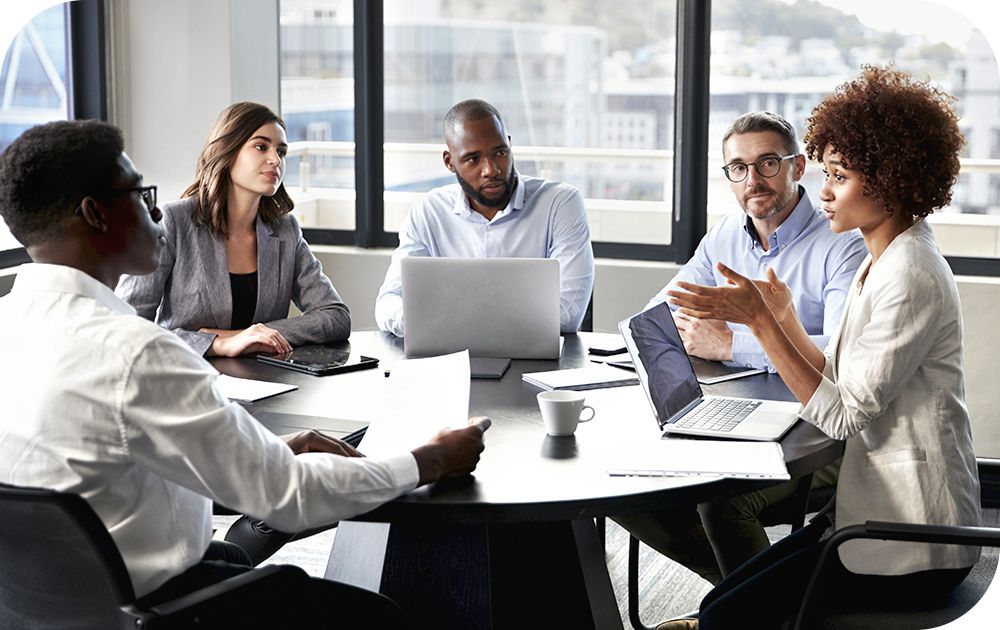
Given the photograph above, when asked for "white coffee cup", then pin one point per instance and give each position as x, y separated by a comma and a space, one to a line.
561, 411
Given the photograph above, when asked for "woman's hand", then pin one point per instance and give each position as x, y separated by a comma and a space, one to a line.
740, 302
256, 338
777, 296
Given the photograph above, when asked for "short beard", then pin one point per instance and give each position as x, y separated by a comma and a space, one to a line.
485, 201
779, 205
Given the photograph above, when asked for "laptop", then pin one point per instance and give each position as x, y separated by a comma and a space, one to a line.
672, 388
496, 307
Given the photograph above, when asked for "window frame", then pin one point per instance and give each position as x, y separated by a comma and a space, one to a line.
87, 83
86, 79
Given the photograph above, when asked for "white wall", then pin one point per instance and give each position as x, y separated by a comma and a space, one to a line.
176, 65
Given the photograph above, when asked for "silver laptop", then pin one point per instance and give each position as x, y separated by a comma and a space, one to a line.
672, 388
495, 307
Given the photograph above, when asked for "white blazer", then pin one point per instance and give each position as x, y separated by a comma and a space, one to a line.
893, 387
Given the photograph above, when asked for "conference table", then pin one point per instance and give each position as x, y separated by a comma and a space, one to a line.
515, 544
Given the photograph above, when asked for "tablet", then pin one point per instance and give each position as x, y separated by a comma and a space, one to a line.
320, 360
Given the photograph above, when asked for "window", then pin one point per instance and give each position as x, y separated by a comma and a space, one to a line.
317, 105
585, 87
786, 57
573, 81
33, 83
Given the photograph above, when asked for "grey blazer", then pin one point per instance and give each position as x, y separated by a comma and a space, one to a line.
190, 288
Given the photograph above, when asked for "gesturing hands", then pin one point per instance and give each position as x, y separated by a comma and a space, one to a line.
742, 301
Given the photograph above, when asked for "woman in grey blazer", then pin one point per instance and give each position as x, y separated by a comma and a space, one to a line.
233, 261
890, 383
235, 258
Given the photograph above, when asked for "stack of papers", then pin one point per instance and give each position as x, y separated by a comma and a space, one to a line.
249, 390
591, 377
671, 457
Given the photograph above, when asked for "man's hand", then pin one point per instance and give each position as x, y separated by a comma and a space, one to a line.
316, 442
452, 452
256, 338
709, 339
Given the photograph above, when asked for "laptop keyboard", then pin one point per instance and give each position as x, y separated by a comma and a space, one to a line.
719, 414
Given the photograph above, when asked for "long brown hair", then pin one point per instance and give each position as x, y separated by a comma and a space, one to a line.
235, 125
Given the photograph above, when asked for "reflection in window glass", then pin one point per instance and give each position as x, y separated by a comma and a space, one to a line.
317, 105
585, 87
786, 57
33, 83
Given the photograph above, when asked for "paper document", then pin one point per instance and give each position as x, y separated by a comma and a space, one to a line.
713, 458
249, 390
591, 377
422, 397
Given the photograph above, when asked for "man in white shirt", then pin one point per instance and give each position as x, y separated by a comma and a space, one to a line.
107, 405
492, 212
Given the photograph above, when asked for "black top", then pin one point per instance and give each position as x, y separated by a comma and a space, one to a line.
244, 287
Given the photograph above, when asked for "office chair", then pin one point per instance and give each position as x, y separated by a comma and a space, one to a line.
963, 598
59, 568
791, 511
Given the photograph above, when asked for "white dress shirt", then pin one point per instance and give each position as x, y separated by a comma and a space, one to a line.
544, 219
893, 388
107, 405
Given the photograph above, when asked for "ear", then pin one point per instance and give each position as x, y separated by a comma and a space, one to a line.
446, 158
800, 166
91, 213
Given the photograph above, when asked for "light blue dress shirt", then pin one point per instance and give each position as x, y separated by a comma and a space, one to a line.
816, 263
544, 219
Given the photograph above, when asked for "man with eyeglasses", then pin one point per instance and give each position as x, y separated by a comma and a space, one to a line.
778, 228
107, 405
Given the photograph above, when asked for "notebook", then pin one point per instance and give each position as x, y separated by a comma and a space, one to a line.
494, 307
595, 376
668, 379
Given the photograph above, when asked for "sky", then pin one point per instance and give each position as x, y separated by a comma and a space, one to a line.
938, 20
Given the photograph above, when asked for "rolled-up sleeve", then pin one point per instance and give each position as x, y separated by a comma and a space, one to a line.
891, 347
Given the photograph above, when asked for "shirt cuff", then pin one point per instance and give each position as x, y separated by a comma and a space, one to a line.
823, 405
404, 470
748, 353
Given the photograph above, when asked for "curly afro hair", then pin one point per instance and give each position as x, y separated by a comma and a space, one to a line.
49, 169
902, 135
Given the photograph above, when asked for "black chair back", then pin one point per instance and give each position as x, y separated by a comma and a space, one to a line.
58, 564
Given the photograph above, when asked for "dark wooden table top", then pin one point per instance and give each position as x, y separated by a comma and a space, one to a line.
524, 475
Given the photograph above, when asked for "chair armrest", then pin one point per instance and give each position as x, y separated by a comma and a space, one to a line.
910, 532
265, 593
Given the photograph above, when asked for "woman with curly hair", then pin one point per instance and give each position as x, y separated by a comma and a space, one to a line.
890, 382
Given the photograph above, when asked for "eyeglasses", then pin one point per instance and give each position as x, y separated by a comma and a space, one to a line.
767, 166
147, 193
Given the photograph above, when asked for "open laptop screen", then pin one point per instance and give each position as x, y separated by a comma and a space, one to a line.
670, 380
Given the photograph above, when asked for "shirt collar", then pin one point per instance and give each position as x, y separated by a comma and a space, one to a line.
463, 209
45, 278
790, 229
